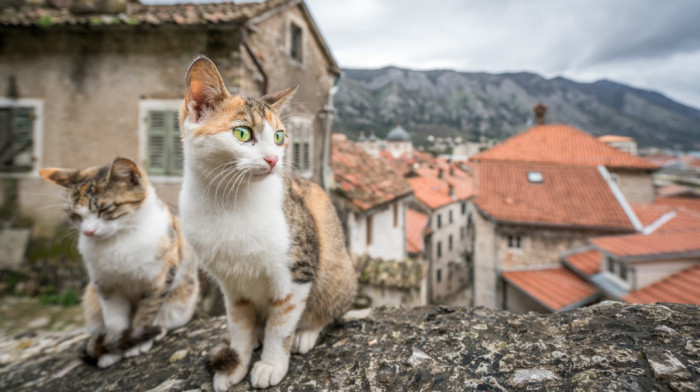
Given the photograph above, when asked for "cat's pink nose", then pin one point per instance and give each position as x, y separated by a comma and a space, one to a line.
272, 161
89, 233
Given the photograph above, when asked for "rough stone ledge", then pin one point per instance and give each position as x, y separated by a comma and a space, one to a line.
611, 346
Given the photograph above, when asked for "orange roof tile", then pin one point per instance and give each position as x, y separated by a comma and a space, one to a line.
660, 244
586, 262
416, 223
433, 191
686, 202
684, 220
682, 287
561, 144
365, 181
572, 196
650, 213
555, 288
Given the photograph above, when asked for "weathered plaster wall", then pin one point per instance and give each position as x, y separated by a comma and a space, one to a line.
485, 262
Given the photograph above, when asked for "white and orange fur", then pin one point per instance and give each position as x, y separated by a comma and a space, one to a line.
272, 241
143, 275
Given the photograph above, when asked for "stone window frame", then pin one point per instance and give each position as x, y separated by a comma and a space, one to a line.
515, 242
37, 134
146, 106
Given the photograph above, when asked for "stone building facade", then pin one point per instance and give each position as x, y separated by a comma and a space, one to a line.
100, 85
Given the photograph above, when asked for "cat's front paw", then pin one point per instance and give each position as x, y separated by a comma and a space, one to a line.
138, 349
266, 374
94, 346
223, 380
108, 360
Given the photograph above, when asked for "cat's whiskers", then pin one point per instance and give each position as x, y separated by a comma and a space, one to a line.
233, 185
224, 179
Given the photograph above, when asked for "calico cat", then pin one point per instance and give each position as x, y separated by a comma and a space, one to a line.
143, 275
271, 240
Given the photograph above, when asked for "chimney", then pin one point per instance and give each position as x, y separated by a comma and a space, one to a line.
540, 113
451, 189
452, 171
441, 174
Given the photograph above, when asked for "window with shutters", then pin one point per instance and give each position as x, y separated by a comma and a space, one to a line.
18, 129
164, 144
296, 43
161, 144
300, 130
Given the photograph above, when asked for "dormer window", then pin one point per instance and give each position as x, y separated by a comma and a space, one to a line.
535, 177
296, 43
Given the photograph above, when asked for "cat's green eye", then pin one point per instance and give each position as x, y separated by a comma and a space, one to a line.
242, 133
279, 137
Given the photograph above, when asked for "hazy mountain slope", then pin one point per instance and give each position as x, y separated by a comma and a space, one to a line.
471, 104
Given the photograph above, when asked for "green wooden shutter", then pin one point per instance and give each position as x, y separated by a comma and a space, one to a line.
16, 138
157, 142
165, 155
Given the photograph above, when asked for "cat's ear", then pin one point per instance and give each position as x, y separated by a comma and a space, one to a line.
62, 177
205, 88
124, 170
279, 99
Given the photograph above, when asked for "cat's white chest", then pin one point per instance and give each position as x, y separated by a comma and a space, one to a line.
245, 239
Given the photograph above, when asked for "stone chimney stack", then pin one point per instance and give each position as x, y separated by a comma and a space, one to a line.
540, 113
441, 174
451, 189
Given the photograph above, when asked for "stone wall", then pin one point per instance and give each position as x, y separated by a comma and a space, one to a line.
610, 346
636, 186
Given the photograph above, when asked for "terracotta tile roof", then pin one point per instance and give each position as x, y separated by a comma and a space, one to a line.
682, 287
685, 220
555, 288
649, 213
434, 191
685, 202
571, 196
416, 223
656, 244
138, 14
587, 262
365, 181
561, 144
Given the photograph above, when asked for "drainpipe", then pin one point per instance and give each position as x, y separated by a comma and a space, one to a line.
329, 111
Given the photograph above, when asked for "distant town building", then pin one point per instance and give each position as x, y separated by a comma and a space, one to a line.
371, 198
372, 145
622, 143
398, 142
442, 190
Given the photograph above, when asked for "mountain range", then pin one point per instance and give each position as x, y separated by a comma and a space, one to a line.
496, 106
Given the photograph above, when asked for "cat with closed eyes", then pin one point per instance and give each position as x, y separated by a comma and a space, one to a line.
271, 240
143, 275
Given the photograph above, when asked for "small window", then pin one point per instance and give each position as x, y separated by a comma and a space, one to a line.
369, 230
296, 43
514, 242
439, 221
611, 266
396, 214
449, 243
535, 177
439, 249
164, 144
464, 208
16, 139
438, 275
623, 271
451, 220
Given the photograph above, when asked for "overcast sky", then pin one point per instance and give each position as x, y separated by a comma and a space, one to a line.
652, 44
